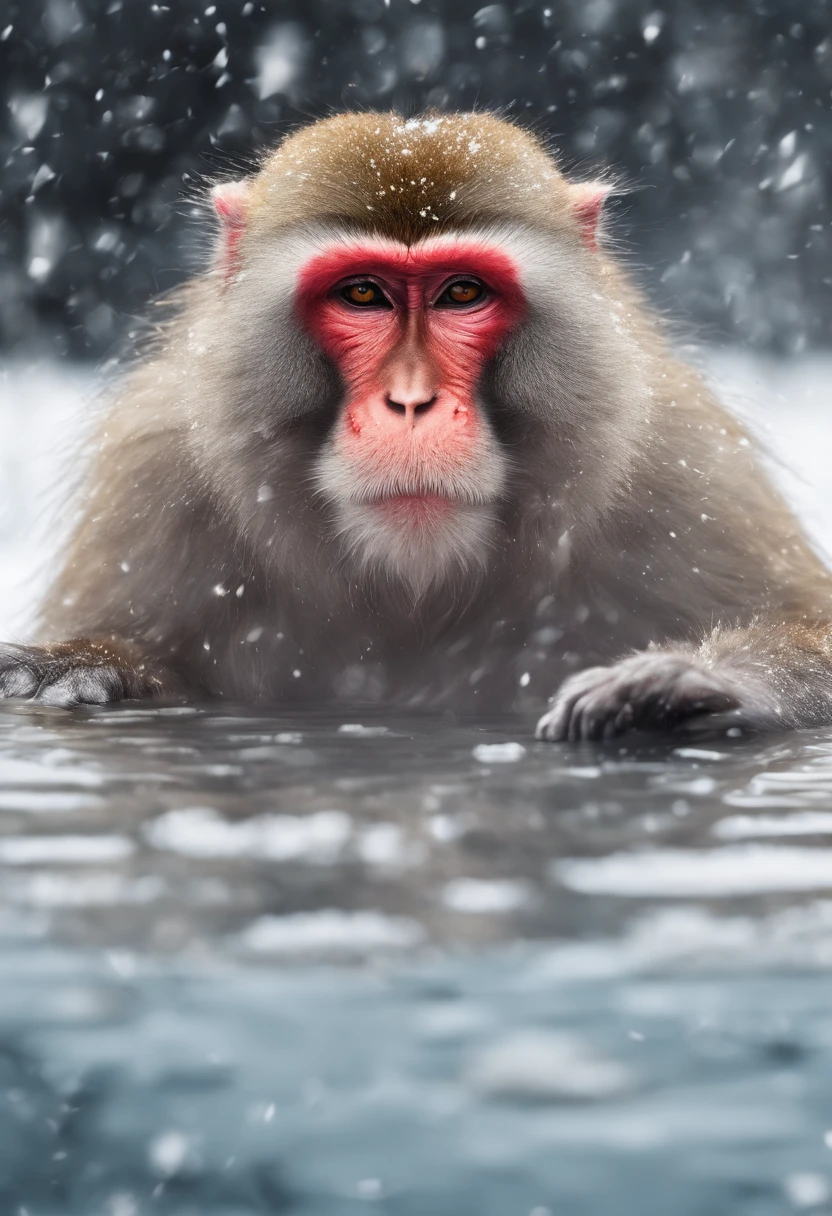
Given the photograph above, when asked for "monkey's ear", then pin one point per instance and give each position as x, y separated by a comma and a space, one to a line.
588, 200
230, 201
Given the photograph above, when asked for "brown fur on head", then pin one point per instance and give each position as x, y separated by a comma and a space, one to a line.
410, 178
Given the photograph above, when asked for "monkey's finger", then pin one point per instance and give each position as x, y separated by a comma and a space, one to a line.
553, 726
582, 717
592, 713
82, 686
622, 722
602, 713
18, 681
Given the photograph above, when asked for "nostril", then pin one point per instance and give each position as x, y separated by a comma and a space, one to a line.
399, 407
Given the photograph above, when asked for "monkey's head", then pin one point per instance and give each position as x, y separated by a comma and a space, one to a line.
418, 342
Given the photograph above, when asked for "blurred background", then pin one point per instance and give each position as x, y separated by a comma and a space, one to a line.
116, 111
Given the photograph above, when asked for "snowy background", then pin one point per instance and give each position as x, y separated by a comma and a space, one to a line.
716, 114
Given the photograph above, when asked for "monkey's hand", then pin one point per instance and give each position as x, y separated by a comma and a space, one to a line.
653, 690
80, 672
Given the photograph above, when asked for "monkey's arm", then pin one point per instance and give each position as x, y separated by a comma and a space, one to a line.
86, 671
765, 676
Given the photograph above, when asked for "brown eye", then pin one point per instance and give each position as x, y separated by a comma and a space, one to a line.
461, 293
364, 295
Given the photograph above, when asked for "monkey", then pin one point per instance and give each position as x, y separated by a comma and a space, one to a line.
414, 438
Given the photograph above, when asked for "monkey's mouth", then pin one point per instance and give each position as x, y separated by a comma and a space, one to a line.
415, 505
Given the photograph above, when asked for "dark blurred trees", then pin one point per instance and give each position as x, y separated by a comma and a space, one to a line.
116, 110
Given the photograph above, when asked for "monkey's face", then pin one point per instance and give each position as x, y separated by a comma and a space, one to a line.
414, 319
411, 464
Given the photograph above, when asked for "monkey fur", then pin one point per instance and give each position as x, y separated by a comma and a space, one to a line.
626, 552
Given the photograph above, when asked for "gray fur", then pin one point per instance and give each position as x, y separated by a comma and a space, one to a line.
623, 509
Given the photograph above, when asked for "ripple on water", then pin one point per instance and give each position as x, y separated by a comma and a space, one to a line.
331, 932
68, 850
805, 823
201, 832
546, 1066
676, 873
484, 896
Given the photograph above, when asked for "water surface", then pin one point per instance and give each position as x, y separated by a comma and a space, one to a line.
320, 962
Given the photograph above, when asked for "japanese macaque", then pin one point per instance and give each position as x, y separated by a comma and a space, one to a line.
414, 439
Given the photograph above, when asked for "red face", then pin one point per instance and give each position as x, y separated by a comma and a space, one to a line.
410, 330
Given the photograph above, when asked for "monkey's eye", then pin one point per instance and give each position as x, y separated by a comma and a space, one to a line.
365, 295
461, 294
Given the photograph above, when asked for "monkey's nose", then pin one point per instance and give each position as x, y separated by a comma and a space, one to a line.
410, 409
